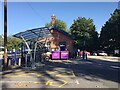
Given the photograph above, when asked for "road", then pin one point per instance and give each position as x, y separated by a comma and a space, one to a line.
75, 73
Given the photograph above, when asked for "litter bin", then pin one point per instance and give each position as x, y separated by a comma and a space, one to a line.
64, 54
56, 55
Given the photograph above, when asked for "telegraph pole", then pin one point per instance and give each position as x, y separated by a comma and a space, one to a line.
5, 34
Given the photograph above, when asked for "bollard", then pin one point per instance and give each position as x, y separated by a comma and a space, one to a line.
15, 58
19, 61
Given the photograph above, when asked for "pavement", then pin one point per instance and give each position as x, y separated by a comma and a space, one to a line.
106, 58
74, 73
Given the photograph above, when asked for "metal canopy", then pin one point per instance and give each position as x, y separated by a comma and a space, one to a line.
34, 34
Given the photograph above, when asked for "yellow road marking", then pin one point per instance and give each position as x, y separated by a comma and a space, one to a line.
20, 76
36, 82
50, 83
65, 82
59, 75
7, 75
49, 72
39, 75
39, 82
47, 83
23, 75
36, 74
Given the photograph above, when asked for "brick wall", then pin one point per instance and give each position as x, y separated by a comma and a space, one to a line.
59, 37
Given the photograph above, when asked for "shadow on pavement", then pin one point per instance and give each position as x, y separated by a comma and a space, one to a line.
93, 68
98, 69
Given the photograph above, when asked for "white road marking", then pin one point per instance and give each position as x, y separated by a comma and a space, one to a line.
77, 82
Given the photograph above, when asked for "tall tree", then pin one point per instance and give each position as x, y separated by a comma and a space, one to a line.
110, 33
84, 28
59, 23
13, 43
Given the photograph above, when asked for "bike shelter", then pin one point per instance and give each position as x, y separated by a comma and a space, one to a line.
31, 47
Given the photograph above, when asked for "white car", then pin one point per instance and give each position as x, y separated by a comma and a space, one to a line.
102, 54
95, 54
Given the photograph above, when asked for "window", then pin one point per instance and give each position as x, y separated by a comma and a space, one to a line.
62, 45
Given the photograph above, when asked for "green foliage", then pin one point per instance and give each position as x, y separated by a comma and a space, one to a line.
12, 43
59, 23
68, 31
1, 40
110, 33
85, 27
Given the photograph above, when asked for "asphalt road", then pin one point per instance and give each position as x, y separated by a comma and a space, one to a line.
75, 73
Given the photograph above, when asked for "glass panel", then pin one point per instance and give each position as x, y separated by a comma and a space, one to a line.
34, 34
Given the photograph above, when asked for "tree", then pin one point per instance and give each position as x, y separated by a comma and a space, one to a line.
13, 43
84, 28
110, 33
59, 23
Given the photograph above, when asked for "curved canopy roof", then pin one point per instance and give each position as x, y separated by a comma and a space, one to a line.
34, 34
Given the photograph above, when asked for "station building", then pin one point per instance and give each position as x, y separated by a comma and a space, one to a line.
60, 40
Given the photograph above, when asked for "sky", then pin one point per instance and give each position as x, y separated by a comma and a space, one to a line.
28, 15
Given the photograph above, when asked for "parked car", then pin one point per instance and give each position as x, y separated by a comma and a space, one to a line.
102, 53
95, 54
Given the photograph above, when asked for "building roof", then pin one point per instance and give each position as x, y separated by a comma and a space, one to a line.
62, 31
34, 34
